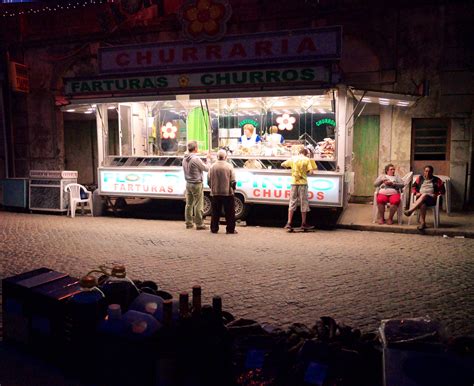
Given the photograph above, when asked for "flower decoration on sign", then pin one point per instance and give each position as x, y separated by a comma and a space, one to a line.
205, 19
183, 81
168, 130
285, 122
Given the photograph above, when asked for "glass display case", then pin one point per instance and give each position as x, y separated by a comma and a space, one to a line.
270, 126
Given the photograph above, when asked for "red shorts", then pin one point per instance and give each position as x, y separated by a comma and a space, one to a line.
393, 199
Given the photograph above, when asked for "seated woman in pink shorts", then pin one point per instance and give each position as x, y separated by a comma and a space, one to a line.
389, 186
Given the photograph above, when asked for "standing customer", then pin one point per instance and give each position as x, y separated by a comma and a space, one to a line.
193, 168
301, 166
389, 186
426, 189
221, 180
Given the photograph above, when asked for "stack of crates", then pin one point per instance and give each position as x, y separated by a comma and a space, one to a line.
34, 309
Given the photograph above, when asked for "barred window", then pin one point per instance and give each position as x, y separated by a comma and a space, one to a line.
430, 139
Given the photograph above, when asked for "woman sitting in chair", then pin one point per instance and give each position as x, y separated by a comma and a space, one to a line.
389, 186
426, 190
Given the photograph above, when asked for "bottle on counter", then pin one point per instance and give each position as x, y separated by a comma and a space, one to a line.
119, 289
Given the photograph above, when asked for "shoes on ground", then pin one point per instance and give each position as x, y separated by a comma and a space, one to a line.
288, 226
421, 227
306, 226
189, 226
232, 233
389, 222
201, 227
381, 221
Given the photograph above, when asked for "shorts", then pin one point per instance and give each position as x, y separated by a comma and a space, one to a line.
430, 201
393, 199
299, 195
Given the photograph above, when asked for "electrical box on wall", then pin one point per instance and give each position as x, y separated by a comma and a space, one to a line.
19, 77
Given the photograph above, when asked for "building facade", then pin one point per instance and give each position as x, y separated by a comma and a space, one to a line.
421, 48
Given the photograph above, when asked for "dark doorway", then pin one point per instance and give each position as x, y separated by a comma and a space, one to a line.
80, 146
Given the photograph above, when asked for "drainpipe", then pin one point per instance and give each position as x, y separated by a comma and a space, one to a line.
4, 85
468, 191
4, 126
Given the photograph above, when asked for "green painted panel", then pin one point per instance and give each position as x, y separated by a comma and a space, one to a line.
366, 154
198, 124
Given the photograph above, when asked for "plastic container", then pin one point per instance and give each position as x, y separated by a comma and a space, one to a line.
113, 325
149, 304
140, 325
85, 309
119, 289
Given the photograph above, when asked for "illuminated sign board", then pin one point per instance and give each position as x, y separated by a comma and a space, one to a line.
296, 46
326, 121
19, 77
205, 80
257, 187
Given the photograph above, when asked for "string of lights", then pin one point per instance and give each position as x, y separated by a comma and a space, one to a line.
35, 8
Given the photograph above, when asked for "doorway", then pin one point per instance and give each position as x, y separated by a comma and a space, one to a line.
366, 156
80, 146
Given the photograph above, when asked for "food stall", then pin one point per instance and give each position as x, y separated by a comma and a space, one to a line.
153, 135
283, 85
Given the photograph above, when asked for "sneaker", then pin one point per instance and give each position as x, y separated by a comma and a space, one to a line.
232, 233
306, 226
288, 226
189, 226
201, 227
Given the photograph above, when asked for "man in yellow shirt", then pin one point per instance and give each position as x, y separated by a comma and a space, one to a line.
301, 166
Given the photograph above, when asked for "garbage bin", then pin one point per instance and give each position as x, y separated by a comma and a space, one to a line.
98, 204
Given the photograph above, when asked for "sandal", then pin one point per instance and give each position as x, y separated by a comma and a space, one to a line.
421, 227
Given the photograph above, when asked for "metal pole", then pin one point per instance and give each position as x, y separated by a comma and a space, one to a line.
4, 127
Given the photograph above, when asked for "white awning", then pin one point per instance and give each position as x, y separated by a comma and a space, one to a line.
385, 97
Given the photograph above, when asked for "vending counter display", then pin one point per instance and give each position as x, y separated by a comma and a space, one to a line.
46, 192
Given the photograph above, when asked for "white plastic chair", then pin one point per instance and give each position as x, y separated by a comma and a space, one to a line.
435, 209
407, 178
75, 198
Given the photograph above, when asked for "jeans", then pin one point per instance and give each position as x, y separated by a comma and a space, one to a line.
194, 204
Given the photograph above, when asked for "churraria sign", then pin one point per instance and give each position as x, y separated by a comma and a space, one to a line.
297, 46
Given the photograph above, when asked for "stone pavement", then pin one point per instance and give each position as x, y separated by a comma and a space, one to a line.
262, 273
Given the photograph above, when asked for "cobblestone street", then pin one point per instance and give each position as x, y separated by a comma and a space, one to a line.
262, 273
